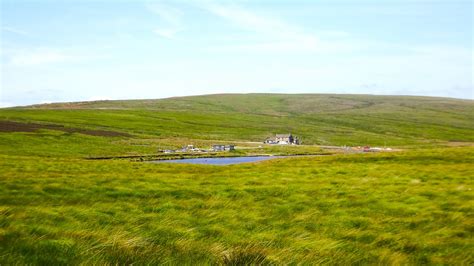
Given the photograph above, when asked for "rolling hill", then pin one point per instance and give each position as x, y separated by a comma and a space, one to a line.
317, 119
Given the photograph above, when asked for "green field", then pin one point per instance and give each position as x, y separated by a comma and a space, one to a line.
413, 206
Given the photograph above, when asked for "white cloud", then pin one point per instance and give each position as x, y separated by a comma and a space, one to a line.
14, 30
249, 20
168, 13
39, 57
21, 57
277, 34
6, 104
171, 18
167, 33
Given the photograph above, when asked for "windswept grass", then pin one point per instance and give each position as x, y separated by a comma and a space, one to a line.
411, 207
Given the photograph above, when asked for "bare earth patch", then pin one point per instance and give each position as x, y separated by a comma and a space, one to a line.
10, 126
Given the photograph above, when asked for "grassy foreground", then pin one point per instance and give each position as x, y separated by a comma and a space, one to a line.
412, 207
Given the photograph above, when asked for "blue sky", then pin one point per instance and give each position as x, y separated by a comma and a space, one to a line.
89, 50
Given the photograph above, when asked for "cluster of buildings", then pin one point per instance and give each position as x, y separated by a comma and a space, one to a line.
283, 139
279, 139
220, 147
192, 148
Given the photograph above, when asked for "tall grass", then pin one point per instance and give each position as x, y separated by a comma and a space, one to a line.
400, 208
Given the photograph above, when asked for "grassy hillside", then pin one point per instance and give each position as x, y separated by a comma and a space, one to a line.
409, 207
318, 119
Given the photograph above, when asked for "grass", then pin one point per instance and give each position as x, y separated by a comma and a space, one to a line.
408, 207
413, 207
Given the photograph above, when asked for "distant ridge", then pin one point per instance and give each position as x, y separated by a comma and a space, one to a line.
253, 101
329, 119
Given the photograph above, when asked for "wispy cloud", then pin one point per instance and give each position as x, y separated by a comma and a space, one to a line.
167, 33
39, 57
14, 30
6, 104
250, 20
277, 34
43, 56
171, 18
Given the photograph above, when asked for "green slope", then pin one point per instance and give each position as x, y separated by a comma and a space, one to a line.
318, 119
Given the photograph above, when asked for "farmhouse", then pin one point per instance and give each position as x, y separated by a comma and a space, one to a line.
283, 139
220, 147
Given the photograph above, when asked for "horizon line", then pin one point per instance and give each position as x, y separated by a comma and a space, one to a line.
230, 94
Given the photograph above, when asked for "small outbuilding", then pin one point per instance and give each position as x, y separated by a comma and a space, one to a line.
221, 147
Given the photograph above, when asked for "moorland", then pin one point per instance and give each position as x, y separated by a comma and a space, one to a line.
410, 206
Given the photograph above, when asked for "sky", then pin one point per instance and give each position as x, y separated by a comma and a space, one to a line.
81, 50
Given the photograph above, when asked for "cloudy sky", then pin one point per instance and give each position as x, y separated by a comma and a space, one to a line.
88, 50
